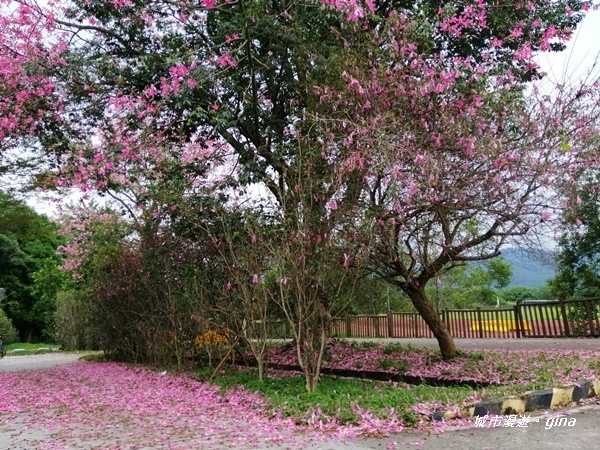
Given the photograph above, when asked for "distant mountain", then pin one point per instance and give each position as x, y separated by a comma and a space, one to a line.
531, 268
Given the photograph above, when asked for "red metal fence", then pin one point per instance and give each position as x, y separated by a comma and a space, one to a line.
560, 318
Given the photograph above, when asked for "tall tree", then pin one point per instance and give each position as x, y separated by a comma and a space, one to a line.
578, 259
458, 159
28, 242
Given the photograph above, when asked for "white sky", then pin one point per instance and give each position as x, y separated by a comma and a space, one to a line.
581, 53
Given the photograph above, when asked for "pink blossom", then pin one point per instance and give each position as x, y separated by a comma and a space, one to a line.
516, 32
346, 259
524, 53
226, 60
120, 3
232, 37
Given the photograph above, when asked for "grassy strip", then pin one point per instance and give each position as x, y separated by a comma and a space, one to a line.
29, 349
341, 398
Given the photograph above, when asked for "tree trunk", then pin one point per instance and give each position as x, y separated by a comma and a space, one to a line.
432, 319
310, 346
261, 368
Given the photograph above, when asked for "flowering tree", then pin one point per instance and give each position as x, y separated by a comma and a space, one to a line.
147, 81
31, 105
457, 158
148, 295
246, 301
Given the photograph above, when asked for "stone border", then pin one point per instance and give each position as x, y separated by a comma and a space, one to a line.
530, 401
382, 375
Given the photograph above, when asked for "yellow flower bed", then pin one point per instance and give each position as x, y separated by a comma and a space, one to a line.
212, 337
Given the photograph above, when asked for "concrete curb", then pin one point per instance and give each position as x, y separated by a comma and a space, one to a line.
530, 401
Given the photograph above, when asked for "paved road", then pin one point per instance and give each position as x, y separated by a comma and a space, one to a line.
583, 434
500, 344
33, 362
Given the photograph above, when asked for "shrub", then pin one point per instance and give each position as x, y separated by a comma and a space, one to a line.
392, 348
75, 327
386, 364
400, 366
7, 331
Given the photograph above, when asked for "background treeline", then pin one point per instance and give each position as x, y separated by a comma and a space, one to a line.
149, 302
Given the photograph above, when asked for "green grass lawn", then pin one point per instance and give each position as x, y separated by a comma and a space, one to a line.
339, 398
345, 400
22, 348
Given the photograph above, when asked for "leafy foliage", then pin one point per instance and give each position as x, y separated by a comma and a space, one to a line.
519, 293
469, 286
579, 255
27, 244
8, 332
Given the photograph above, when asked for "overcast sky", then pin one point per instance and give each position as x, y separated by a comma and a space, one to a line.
581, 53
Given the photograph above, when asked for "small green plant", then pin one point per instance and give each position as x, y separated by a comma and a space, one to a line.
95, 357
409, 417
386, 364
476, 356
399, 365
402, 365
392, 347
368, 345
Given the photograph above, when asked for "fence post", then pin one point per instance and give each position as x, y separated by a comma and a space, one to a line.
594, 302
445, 321
479, 323
390, 324
517, 316
520, 317
348, 327
565, 317
588, 316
